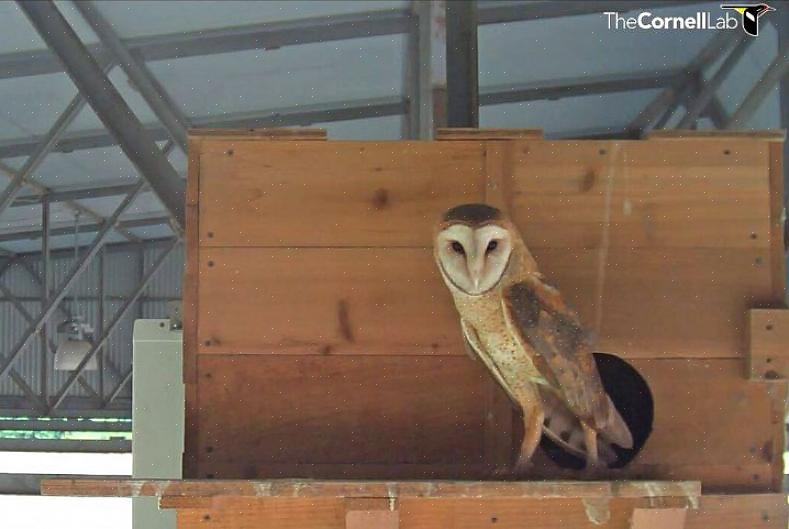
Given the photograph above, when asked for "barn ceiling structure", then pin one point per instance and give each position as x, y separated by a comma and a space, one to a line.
98, 97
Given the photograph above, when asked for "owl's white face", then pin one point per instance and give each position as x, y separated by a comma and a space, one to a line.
473, 259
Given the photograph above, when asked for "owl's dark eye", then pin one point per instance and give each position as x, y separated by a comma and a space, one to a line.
492, 245
458, 248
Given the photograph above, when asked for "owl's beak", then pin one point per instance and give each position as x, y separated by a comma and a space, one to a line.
477, 265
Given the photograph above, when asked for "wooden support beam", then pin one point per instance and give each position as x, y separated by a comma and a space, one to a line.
768, 353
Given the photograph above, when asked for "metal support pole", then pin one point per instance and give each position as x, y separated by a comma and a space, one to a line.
102, 339
109, 106
165, 109
411, 67
766, 84
100, 324
46, 312
782, 25
699, 104
462, 65
45, 291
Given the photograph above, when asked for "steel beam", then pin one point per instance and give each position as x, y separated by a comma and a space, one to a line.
64, 425
462, 64
47, 311
660, 110
154, 94
301, 115
47, 348
109, 106
37, 401
65, 445
763, 87
45, 291
72, 407
102, 303
65, 195
581, 86
35, 233
118, 388
304, 115
273, 35
210, 41
102, 339
45, 147
699, 104
497, 12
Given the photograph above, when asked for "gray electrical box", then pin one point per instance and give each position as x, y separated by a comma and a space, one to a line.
158, 414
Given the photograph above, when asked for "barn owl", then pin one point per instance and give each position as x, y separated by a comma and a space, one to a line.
531, 342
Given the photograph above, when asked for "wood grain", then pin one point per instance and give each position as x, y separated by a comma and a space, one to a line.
666, 194
426, 414
734, 135
333, 194
325, 301
191, 286
358, 301
768, 357
351, 411
367, 493
720, 512
778, 224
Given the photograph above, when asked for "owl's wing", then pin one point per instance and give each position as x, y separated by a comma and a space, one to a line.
478, 352
537, 315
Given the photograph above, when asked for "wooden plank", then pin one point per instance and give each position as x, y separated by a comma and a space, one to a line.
659, 518
768, 357
693, 439
700, 194
259, 134
368, 490
333, 194
695, 194
777, 224
416, 424
255, 513
357, 301
323, 301
498, 174
379, 519
778, 400
460, 133
720, 512
191, 287
380, 411
736, 135
755, 511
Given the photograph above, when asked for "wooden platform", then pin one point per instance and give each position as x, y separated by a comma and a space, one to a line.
308, 504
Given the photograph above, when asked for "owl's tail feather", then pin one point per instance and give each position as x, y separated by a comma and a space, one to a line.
617, 430
565, 429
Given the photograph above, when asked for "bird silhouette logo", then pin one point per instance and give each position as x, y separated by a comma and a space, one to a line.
751, 13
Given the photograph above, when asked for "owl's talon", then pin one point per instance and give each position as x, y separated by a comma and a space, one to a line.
523, 466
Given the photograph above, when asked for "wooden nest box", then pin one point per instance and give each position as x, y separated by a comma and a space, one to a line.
321, 343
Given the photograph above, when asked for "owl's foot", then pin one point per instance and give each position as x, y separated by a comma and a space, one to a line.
523, 466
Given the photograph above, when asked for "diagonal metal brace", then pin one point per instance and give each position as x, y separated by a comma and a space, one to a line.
54, 301
101, 340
